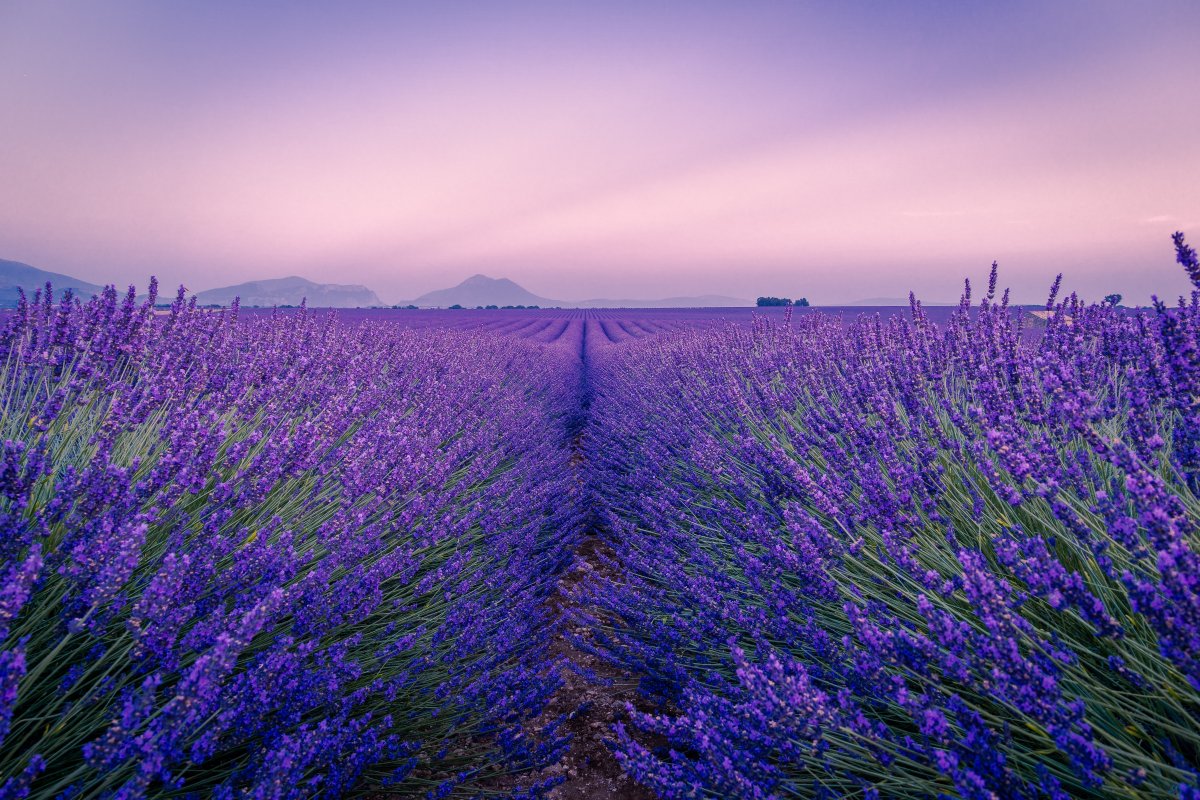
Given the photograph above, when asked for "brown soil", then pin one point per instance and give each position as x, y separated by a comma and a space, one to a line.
590, 769
589, 766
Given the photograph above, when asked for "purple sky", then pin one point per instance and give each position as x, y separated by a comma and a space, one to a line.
840, 151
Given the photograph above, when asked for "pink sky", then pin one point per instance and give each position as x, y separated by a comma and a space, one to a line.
741, 149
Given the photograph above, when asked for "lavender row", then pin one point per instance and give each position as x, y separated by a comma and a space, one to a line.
274, 557
894, 558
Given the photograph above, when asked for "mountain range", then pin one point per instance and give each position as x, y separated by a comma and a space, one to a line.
480, 290
477, 290
290, 292
15, 276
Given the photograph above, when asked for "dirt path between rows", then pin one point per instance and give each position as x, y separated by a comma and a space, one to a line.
589, 766
590, 705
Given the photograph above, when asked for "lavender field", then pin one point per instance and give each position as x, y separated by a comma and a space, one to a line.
913, 553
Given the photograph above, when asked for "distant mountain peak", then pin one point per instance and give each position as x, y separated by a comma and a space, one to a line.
290, 291
480, 279
482, 290
16, 275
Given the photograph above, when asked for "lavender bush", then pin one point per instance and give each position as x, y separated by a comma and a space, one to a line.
285, 555
273, 558
901, 559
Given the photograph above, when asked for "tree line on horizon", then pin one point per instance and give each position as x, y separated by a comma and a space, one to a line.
780, 301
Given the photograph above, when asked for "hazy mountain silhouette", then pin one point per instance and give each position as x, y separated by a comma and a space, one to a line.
480, 290
15, 275
289, 292
477, 290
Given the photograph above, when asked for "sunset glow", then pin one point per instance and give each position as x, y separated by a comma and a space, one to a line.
736, 149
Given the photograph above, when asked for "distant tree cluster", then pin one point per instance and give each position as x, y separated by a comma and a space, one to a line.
459, 307
1113, 300
780, 301
455, 307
